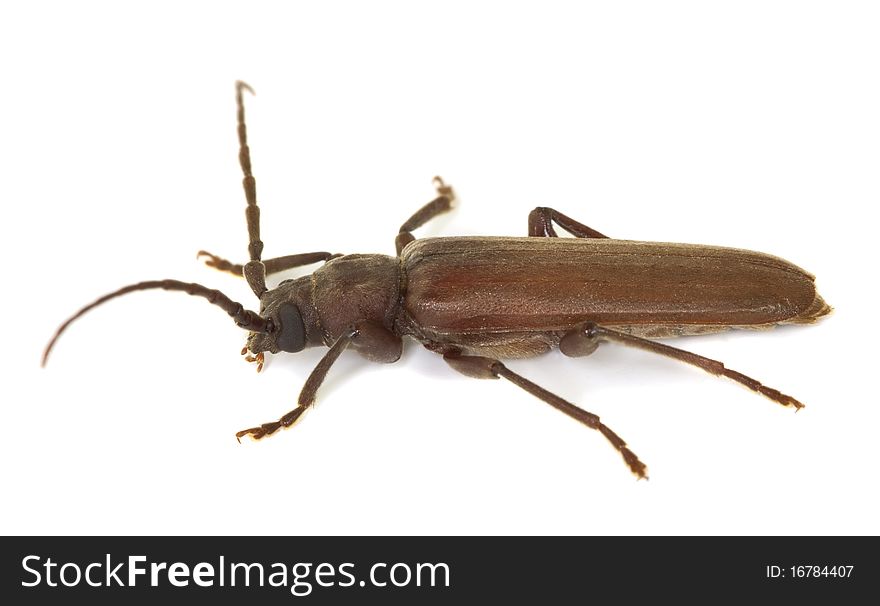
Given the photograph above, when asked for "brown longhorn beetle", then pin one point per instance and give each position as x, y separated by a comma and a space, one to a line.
475, 300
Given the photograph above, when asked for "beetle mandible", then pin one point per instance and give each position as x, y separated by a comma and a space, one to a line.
475, 300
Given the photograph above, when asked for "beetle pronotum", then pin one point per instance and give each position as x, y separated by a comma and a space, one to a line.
475, 300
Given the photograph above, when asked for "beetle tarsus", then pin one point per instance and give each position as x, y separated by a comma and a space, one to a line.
635, 465
443, 189
267, 429
773, 394
439, 205
254, 432
220, 263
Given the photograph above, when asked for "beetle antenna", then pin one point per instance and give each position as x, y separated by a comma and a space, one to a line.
244, 318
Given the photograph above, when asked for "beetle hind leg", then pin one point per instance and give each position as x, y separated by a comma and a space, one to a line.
541, 222
586, 338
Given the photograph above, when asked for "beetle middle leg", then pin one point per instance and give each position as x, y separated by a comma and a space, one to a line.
585, 339
481, 367
541, 222
439, 205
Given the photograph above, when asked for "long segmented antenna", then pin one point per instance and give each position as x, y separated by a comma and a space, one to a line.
254, 270
244, 318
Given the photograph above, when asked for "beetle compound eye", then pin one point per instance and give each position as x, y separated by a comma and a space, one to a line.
291, 332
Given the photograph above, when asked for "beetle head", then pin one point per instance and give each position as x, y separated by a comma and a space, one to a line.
292, 325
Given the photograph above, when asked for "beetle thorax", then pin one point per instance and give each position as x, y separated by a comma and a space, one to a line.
342, 292
353, 288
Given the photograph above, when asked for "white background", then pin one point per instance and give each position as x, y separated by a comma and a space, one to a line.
749, 124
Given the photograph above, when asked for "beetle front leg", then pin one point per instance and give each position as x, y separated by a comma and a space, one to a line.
273, 266
368, 338
307, 395
585, 339
480, 367
541, 222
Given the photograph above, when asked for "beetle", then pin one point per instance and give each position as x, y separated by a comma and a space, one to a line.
477, 300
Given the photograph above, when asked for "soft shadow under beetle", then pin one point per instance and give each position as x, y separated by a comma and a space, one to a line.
474, 300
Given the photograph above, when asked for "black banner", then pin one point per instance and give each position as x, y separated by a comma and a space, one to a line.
407, 570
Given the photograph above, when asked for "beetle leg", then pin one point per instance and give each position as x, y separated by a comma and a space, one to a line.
273, 266
437, 206
307, 395
480, 367
578, 343
376, 343
590, 333
541, 224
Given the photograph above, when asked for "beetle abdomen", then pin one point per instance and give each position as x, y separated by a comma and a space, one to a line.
477, 285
